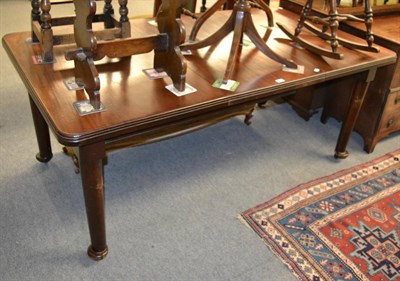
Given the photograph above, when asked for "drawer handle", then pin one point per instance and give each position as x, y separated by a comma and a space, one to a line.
390, 123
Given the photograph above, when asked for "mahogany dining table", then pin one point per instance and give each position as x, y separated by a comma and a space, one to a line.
138, 110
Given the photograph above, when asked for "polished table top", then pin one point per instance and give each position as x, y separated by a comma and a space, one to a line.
133, 102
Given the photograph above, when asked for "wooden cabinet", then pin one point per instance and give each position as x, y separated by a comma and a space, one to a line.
383, 106
391, 118
380, 113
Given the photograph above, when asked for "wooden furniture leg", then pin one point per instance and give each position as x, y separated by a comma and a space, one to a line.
108, 11
333, 25
156, 7
170, 57
349, 122
42, 134
368, 23
91, 166
237, 40
47, 32
203, 7
124, 19
303, 15
35, 16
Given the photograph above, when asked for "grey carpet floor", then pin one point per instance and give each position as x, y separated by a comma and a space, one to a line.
171, 207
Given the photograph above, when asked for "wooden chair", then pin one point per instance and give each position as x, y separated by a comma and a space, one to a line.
43, 23
167, 55
331, 22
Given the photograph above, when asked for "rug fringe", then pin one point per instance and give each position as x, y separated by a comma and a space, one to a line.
243, 220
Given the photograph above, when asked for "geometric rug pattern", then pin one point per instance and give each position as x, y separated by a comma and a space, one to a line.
345, 226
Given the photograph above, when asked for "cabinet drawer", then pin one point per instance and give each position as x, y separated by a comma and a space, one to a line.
393, 101
391, 116
396, 75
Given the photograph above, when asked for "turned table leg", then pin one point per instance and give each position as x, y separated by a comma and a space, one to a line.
91, 166
42, 134
356, 102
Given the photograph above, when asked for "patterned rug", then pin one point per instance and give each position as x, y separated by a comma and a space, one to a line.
341, 227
